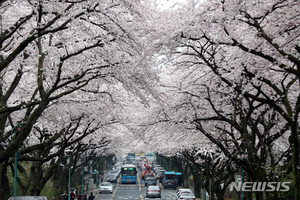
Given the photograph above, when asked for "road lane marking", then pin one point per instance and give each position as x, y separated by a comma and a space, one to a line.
138, 177
161, 185
116, 188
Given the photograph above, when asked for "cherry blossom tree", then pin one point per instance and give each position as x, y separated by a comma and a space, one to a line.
235, 54
61, 60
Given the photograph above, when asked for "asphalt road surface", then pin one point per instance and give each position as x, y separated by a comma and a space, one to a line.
134, 191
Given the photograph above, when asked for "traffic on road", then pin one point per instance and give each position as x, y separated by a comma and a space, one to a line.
149, 182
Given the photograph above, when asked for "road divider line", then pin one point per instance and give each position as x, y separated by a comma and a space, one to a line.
115, 189
160, 185
140, 189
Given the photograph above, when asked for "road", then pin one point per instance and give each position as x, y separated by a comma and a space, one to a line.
134, 191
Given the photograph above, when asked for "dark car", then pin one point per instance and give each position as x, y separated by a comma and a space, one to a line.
160, 175
169, 183
112, 178
150, 181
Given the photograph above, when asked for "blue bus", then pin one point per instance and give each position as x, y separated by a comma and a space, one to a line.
128, 174
131, 155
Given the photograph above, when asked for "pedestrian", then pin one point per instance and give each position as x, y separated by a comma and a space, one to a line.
65, 196
179, 181
91, 197
80, 197
84, 197
101, 177
72, 195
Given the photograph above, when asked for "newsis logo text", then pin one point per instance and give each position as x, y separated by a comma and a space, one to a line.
260, 186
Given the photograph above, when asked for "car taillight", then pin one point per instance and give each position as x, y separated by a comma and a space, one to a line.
148, 190
181, 198
193, 198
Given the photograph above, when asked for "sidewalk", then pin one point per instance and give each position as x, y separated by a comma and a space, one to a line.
96, 187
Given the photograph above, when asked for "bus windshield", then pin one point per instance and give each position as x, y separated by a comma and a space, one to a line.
129, 171
131, 154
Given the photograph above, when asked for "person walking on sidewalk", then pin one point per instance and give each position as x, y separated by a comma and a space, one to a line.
73, 195
84, 197
91, 197
101, 178
65, 196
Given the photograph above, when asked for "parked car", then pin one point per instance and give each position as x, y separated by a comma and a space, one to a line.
106, 187
169, 183
28, 198
185, 194
112, 178
150, 181
153, 191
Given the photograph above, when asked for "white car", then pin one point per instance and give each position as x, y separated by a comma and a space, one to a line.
28, 198
185, 194
182, 189
106, 187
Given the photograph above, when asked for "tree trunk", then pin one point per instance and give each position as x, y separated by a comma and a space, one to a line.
186, 176
4, 182
259, 196
37, 183
197, 179
274, 195
295, 145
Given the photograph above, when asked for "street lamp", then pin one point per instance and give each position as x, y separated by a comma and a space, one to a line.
69, 194
1, 24
243, 156
82, 172
16, 158
96, 172
97, 176
69, 181
69, 169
